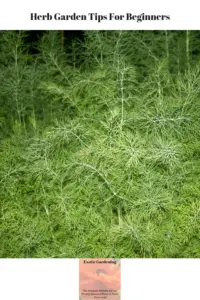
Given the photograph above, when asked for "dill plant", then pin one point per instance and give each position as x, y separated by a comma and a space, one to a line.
105, 160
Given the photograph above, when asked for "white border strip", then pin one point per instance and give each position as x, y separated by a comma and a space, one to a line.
16, 14
58, 279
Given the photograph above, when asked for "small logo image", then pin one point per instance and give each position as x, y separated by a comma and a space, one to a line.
101, 271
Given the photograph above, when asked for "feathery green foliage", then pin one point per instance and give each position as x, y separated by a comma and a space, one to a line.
100, 148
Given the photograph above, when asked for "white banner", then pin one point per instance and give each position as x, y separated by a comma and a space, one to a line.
141, 279
87, 15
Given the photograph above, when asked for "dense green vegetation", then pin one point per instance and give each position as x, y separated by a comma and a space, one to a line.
100, 145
